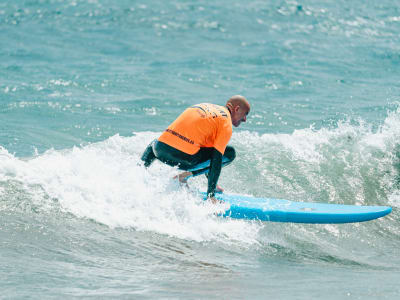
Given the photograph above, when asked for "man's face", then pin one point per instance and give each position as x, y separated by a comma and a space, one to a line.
239, 115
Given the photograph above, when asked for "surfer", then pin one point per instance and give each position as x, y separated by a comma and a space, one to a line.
197, 141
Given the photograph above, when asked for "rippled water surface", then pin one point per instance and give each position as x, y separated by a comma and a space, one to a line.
85, 85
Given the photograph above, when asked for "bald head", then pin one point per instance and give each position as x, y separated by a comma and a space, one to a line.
239, 107
238, 100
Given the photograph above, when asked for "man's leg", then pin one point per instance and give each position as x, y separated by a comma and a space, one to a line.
168, 155
173, 157
194, 165
203, 166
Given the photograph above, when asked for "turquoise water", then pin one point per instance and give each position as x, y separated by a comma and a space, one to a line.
86, 85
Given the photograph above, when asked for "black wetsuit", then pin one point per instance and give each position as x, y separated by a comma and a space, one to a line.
187, 162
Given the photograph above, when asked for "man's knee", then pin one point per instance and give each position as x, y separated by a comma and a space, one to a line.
148, 155
230, 153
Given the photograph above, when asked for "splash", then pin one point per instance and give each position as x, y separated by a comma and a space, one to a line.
106, 183
351, 163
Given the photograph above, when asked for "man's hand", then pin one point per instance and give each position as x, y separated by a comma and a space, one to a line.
183, 177
219, 189
215, 200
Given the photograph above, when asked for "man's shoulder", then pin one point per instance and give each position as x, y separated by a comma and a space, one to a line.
212, 110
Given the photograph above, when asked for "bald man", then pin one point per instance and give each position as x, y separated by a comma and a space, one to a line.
197, 141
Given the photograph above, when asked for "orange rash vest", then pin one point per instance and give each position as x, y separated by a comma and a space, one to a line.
201, 125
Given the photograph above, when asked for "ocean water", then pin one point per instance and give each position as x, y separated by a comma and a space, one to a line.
85, 85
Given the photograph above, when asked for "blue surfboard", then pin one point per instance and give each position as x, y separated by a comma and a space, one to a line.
278, 210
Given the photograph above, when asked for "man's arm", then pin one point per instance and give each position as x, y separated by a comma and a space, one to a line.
215, 171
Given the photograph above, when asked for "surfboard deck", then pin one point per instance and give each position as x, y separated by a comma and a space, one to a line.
279, 210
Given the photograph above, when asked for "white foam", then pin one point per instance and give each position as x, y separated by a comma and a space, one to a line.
352, 163
103, 182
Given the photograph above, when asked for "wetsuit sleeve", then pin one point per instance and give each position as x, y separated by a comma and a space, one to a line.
215, 171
